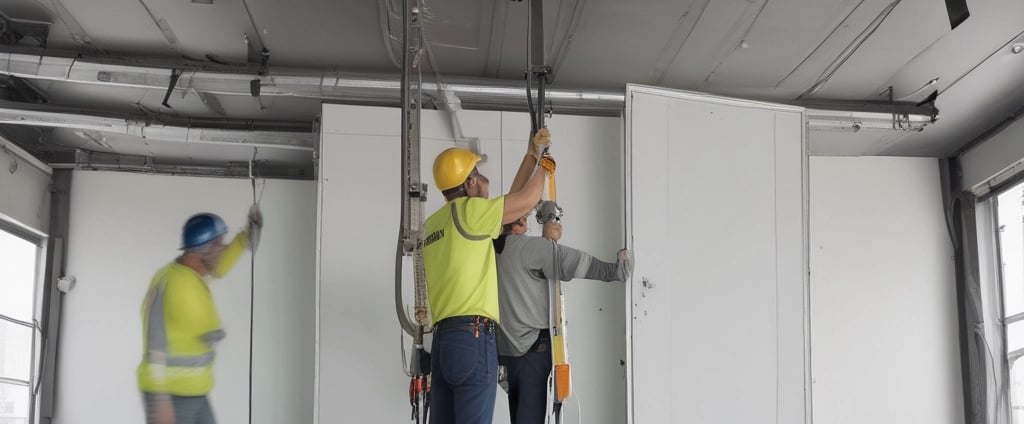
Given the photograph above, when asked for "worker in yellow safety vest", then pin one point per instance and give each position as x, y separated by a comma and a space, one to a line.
180, 325
462, 282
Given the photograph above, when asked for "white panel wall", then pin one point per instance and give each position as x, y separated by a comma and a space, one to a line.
24, 190
883, 306
716, 218
123, 227
360, 375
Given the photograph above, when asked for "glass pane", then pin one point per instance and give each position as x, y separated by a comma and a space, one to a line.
17, 276
14, 404
1011, 248
15, 351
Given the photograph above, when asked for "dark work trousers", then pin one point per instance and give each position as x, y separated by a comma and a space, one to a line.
464, 371
528, 381
187, 409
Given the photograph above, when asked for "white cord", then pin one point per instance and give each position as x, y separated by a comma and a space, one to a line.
551, 397
579, 408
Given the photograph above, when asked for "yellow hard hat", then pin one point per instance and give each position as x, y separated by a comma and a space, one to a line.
453, 166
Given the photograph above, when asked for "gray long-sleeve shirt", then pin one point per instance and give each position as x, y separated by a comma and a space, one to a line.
524, 262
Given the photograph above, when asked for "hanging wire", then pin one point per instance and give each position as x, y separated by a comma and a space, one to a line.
529, 66
252, 272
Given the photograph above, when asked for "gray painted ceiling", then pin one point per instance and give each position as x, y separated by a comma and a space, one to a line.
788, 51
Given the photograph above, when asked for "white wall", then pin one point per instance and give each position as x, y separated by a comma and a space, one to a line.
360, 375
123, 227
883, 306
25, 192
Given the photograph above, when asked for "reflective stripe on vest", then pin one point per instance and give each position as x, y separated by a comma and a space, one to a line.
187, 361
458, 226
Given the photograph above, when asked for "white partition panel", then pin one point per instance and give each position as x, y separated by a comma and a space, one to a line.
716, 217
883, 298
360, 375
123, 228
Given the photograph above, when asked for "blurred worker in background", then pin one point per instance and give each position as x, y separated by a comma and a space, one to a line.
180, 325
462, 282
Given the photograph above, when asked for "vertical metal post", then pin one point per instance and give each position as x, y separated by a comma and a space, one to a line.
60, 209
960, 213
413, 189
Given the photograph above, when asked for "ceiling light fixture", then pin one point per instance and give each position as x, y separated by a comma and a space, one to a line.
847, 121
1017, 48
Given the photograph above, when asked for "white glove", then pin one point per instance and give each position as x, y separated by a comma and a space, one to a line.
624, 265
255, 227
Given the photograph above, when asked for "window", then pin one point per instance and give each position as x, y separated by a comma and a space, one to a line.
19, 263
1010, 216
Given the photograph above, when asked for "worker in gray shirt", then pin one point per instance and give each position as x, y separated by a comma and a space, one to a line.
524, 341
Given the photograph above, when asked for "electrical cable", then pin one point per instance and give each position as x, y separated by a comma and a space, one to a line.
579, 409
252, 271
529, 66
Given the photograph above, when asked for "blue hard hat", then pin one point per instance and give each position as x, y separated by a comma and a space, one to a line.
202, 228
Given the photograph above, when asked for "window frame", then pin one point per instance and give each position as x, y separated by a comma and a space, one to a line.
40, 240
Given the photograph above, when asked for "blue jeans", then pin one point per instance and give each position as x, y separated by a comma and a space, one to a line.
187, 409
464, 371
528, 382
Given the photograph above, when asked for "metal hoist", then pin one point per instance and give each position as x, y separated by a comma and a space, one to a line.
548, 210
410, 236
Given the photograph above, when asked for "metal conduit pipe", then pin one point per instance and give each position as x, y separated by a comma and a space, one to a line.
385, 89
158, 131
474, 93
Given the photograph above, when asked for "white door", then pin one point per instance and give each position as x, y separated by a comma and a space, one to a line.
717, 219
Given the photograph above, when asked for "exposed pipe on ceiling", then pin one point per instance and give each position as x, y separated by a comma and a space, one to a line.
158, 131
474, 93
86, 160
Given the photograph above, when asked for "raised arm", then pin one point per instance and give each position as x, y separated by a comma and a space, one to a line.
534, 148
518, 203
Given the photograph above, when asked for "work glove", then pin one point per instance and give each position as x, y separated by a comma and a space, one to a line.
255, 227
624, 265
540, 141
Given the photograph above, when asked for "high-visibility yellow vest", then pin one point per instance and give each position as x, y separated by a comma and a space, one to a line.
458, 257
180, 326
